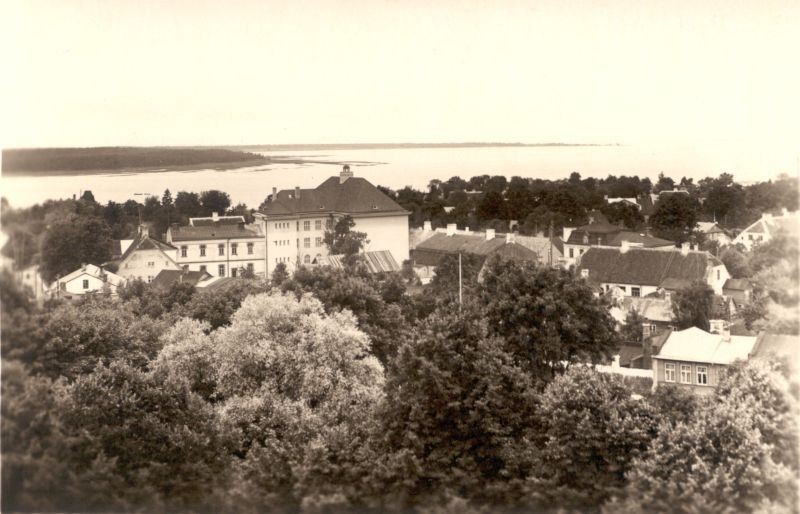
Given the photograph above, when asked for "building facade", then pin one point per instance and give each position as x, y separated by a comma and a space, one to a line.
145, 257
768, 227
86, 279
293, 222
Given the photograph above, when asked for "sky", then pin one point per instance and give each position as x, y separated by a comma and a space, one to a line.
172, 72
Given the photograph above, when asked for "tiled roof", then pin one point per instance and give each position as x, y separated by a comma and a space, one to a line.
430, 251
652, 309
541, 246
708, 227
628, 352
380, 261
639, 239
353, 196
696, 345
219, 220
145, 242
92, 271
167, 277
189, 233
737, 284
778, 345
214, 283
645, 267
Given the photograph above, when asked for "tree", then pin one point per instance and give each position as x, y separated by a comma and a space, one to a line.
342, 240
664, 183
546, 317
594, 429
456, 417
70, 243
632, 331
737, 453
492, 206
629, 215
675, 217
214, 201
87, 196
692, 306
187, 205
279, 274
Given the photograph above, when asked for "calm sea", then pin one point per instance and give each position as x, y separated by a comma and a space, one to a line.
393, 168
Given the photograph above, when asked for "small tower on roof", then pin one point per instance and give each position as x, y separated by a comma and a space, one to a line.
345, 174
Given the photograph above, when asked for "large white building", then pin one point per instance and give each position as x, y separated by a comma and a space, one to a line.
293, 222
222, 246
767, 227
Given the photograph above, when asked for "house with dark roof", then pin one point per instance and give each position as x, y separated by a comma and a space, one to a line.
739, 289
294, 221
429, 253
767, 227
780, 346
642, 271
219, 245
145, 257
85, 280
168, 277
711, 231
578, 240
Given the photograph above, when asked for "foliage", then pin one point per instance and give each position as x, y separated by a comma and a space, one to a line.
217, 306
675, 217
692, 306
70, 243
735, 262
629, 215
632, 331
279, 274
342, 240
546, 317
214, 201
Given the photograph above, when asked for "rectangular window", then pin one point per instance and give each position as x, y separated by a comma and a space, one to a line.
717, 274
669, 372
702, 375
307, 225
623, 288
250, 247
151, 264
183, 251
317, 224
221, 249
149, 278
635, 291
250, 267
233, 272
571, 253
234, 248
86, 284
203, 268
328, 223
221, 269
686, 374
202, 250
306, 242
318, 242
185, 267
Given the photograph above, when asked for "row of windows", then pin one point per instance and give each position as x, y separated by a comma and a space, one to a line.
635, 291
282, 225
701, 374
572, 253
282, 242
221, 269
306, 225
307, 242
220, 249
282, 259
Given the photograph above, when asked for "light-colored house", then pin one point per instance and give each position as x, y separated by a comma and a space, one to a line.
145, 257
767, 227
221, 246
84, 280
167, 278
695, 359
713, 232
375, 262
293, 222
643, 271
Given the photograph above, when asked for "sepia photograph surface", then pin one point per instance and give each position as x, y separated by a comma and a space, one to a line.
355, 256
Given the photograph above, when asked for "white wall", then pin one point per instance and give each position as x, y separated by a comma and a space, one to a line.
212, 259
145, 264
75, 286
386, 233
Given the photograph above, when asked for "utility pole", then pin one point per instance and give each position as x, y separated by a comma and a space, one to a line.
460, 297
551, 243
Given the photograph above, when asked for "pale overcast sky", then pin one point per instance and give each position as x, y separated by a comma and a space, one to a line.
89, 73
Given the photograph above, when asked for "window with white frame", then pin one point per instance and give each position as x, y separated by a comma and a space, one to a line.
635, 291
202, 268
234, 249
686, 374
669, 372
306, 242
317, 224
307, 259
250, 247
307, 225
184, 250
151, 264
221, 249
86, 284
202, 250
250, 267
702, 375
221, 269
318, 242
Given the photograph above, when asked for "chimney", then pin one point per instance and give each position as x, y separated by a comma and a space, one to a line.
624, 246
784, 211
511, 237
685, 247
345, 174
668, 295
274, 193
647, 353
466, 229
426, 226
568, 232
768, 216
451, 229
489, 234
296, 192
214, 216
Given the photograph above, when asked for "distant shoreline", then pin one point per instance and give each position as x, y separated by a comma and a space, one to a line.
392, 146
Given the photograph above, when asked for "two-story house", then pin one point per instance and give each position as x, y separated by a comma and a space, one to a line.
643, 271
145, 257
220, 246
293, 222
578, 240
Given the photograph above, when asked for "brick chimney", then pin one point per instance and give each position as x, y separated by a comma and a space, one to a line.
215, 216
511, 237
489, 234
685, 247
345, 174
296, 192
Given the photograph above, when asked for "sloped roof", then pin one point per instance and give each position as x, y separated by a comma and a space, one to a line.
190, 233
541, 246
353, 196
167, 277
757, 228
779, 345
377, 262
430, 251
628, 352
214, 283
737, 284
219, 220
145, 242
645, 267
709, 227
652, 309
696, 345
639, 239
92, 271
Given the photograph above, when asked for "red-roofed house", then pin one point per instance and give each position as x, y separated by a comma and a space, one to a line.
293, 222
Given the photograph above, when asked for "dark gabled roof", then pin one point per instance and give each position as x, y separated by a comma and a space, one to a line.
145, 242
189, 233
606, 234
353, 196
430, 251
167, 277
628, 352
638, 239
737, 284
115, 248
645, 267
782, 346
593, 231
